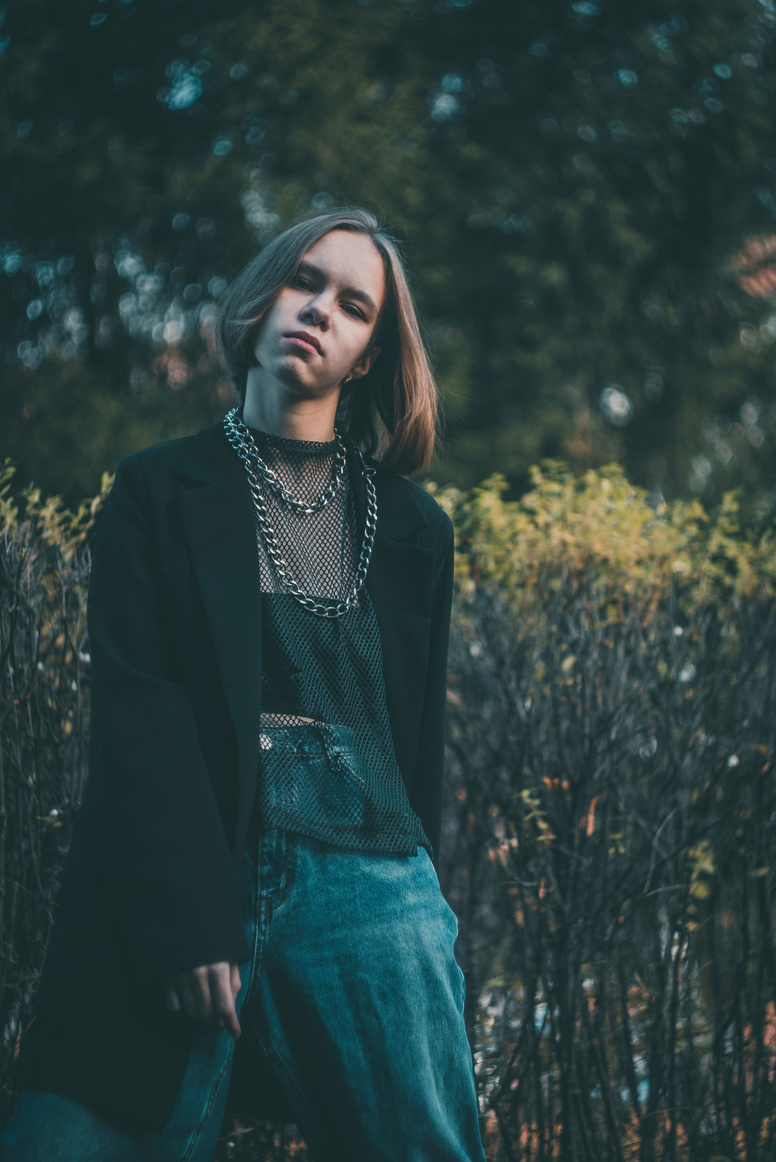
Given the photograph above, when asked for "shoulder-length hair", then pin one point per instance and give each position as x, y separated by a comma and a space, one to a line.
391, 412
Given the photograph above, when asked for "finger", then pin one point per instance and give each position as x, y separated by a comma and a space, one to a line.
224, 999
205, 984
235, 981
188, 996
215, 972
205, 978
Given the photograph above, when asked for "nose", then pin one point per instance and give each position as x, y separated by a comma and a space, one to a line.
316, 312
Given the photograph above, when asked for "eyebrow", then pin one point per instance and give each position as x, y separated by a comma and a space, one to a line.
351, 292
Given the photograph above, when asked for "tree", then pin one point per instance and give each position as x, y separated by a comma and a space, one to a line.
573, 183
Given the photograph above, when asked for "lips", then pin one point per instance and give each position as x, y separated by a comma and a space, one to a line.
305, 339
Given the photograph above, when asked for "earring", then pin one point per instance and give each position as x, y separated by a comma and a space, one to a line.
347, 379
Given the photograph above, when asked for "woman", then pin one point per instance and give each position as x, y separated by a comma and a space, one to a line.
249, 908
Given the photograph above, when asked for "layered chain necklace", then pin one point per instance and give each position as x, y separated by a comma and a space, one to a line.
239, 436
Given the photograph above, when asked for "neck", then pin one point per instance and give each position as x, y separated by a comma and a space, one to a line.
272, 407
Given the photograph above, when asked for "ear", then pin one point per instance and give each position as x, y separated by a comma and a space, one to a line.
364, 364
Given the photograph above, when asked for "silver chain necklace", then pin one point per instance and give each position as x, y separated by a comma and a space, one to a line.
244, 445
270, 479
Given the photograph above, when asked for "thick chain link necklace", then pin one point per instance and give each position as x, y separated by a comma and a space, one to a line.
270, 479
244, 445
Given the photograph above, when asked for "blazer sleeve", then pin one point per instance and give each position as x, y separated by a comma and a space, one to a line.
161, 848
428, 783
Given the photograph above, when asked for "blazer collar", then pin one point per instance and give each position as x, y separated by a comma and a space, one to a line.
399, 515
208, 458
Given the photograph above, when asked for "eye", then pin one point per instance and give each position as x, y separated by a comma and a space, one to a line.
302, 282
353, 311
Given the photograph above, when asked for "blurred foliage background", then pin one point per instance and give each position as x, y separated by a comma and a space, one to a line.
586, 192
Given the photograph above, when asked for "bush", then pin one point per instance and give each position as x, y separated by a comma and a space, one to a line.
44, 668
612, 821
610, 840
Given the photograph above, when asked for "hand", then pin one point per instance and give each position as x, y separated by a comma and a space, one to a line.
206, 993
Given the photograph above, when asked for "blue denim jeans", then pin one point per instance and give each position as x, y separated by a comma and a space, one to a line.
355, 997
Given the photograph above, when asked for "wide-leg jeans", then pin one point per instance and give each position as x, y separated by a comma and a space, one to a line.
354, 995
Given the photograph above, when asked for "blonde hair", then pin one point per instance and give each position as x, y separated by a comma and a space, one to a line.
392, 411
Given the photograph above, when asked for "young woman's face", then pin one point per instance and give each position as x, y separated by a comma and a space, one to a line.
319, 329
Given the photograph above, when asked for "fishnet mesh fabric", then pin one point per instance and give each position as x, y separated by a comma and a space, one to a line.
320, 549
327, 767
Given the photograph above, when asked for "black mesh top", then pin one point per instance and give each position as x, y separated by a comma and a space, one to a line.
328, 768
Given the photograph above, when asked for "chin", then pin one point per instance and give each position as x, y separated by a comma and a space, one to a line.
298, 384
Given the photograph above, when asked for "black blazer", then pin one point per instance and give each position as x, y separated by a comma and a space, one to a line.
150, 881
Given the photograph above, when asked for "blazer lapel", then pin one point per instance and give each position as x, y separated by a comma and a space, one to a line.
400, 584
219, 523
400, 571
